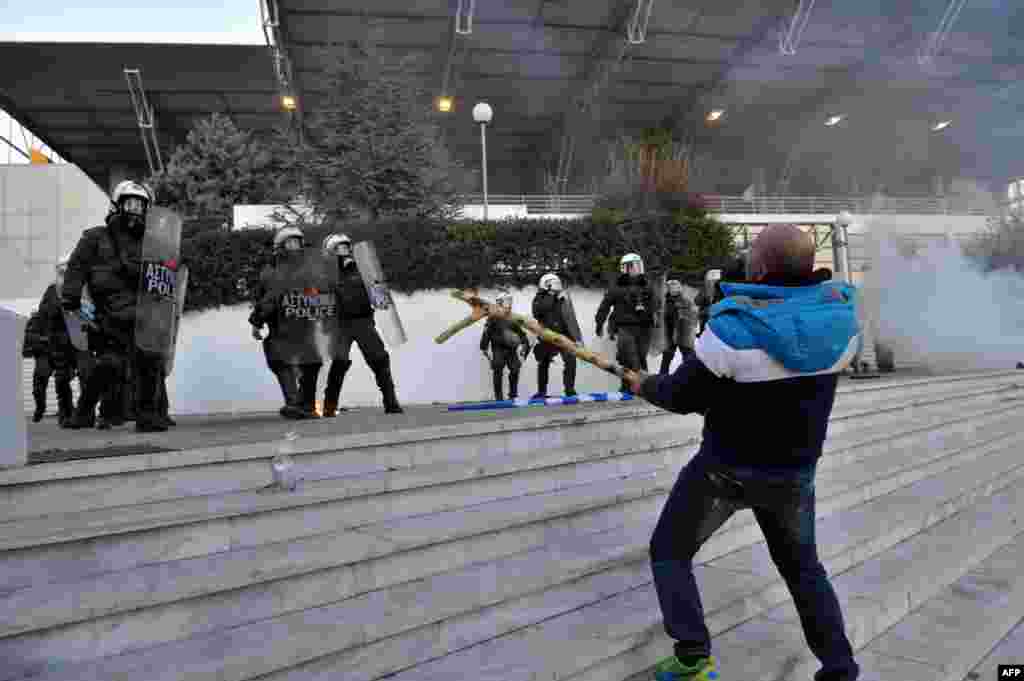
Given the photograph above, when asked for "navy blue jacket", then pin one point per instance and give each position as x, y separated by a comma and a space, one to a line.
765, 372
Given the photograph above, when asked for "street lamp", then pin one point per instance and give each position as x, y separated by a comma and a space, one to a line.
841, 246
482, 114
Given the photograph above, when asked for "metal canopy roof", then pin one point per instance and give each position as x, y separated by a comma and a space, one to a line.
532, 60
75, 97
535, 60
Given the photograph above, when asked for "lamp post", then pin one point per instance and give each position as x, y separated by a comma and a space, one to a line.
482, 114
841, 246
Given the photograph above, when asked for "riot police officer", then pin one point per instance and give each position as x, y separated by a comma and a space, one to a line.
499, 342
553, 309
635, 310
108, 260
290, 347
355, 324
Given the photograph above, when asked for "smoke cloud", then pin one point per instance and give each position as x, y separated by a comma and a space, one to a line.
938, 307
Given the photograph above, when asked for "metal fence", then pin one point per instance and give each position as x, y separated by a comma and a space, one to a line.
577, 204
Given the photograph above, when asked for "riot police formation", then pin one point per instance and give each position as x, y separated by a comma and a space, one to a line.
499, 343
108, 259
634, 310
355, 324
680, 324
292, 313
553, 309
47, 341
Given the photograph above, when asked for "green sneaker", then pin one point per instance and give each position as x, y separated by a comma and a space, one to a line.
671, 669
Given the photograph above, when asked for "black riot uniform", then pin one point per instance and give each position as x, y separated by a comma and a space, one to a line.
355, 324
107, 259
297, 379
37, 345
502, 338
550, 312
633, 307
62, 354
680, 328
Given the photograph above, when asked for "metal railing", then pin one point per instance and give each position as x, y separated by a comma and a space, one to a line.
805, 205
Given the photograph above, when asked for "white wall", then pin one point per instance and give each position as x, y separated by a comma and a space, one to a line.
43, 211
258, 216
220, 368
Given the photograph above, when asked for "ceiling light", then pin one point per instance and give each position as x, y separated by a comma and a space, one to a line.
941, 125
715, 114
834, 120
444, 103
288, 103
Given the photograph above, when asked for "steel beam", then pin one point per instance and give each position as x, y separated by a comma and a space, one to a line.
146, 119
628, 25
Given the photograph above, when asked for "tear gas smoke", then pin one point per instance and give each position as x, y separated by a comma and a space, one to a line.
220, 369
939, 309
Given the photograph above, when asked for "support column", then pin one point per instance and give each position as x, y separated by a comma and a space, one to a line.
13, 431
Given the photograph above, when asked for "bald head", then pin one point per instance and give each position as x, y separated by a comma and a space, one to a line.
782, 251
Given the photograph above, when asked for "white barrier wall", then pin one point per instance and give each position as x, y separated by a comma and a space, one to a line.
220, 368
13, 432
43, 211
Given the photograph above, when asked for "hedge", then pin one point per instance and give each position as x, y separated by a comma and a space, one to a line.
420, 255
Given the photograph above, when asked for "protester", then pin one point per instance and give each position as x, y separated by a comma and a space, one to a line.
766, 395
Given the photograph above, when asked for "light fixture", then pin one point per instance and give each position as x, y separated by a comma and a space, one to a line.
834, 120
715, 114
288, 103
941, 125
444, 103
482, 113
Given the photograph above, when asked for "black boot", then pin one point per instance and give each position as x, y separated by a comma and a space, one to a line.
496, 379
85, 410
307, 389
39, 395
335, 379
569, 376
382, 372
292, 409
542, 381
65, 403
513, 384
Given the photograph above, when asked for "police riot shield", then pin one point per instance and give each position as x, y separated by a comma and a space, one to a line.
179, 308
384, 311
302, 288
158, 282
659, 335
569, 314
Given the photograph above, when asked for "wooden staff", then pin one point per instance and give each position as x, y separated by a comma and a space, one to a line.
484, 308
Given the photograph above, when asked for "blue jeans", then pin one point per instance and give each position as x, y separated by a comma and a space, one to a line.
704, 496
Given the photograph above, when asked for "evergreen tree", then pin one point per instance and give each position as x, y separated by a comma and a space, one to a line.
219, 166
372, 146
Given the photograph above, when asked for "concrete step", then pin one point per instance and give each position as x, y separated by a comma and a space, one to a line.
1007, 651
946, 636
44, 606
592, 634
175, 580
77, 486
214, 541
60, 528
406, 595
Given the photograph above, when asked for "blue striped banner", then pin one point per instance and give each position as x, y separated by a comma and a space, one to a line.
545, 402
